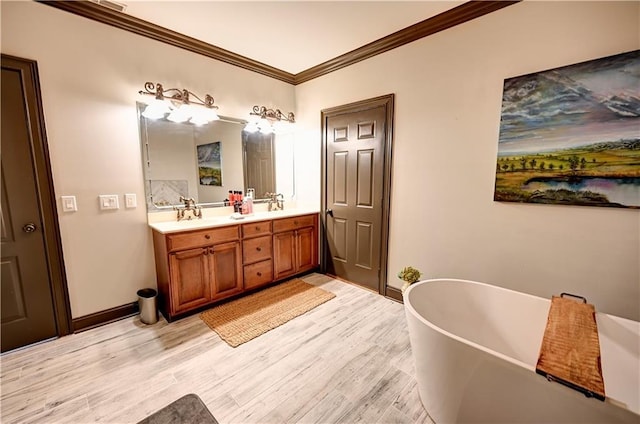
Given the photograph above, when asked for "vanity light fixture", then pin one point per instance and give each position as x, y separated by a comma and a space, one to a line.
180, 105
269, 120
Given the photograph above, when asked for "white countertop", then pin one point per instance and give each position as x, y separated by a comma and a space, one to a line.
167, 227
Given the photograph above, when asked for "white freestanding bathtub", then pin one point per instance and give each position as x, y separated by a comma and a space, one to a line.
476, 346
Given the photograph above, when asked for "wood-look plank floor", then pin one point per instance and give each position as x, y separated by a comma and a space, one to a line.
346, 361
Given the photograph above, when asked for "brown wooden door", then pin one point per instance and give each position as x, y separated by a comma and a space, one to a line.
305, 249
28, 301
356, 171
284, 251
259, 163
190, 280
226, 269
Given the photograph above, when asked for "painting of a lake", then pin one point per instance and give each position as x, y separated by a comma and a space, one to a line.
210, 164
571, 135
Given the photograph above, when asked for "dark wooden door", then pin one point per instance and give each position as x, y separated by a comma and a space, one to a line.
306, 247
29, 310
259, 163
226, 269
284, 251
356, 143
190, 280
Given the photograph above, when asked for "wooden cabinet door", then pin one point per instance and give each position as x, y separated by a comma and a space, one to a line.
189, 286
305, 249
284, 254
226, 269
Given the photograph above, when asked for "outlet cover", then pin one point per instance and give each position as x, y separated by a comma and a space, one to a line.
108, 201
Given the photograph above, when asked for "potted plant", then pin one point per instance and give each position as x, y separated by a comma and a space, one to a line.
409, 275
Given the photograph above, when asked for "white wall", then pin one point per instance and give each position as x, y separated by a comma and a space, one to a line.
448, 89
90, 75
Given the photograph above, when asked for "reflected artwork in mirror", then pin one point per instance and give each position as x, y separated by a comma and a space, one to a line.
176, 157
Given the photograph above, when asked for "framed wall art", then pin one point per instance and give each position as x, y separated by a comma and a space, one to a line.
571, 135
210, 164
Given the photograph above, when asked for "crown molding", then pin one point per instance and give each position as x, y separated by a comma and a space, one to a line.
94, 11
456, 16
450, 18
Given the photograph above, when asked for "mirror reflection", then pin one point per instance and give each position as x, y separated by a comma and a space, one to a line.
205, 162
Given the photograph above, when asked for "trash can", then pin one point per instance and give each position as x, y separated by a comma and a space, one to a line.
147, 302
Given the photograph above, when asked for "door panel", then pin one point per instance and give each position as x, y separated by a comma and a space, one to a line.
259, 161
27, 299
190, 272
226, 260
284, 254
356, 174
306, 245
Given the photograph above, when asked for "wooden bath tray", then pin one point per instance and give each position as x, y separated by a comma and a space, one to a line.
570, 351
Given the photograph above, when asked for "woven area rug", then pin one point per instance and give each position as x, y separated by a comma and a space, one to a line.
244, 319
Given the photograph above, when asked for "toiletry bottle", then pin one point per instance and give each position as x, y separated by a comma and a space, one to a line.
249, 199
245, 207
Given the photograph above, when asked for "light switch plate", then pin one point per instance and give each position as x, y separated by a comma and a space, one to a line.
69, 203
130, 200
108, 201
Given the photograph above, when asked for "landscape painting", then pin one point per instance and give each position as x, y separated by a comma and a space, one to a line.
210, 164
571, 135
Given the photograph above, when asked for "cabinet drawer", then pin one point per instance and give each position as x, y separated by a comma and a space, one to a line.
258, 274
287, 224
202, 238
256, 249
256, 229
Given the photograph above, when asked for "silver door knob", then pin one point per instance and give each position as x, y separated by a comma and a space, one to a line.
29, 228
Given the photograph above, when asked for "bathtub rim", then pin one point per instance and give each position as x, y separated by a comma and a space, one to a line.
414, 313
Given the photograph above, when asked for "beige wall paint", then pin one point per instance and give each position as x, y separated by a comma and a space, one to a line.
448, 91
90, 75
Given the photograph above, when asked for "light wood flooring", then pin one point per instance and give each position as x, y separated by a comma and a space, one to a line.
346, 361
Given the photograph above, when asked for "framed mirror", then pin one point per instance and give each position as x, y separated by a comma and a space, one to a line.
207, 161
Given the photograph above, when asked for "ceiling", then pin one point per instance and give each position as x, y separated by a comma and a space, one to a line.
288, 35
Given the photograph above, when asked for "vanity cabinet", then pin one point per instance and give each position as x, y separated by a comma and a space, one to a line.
257, 254
295, 245
196, 268
200, 267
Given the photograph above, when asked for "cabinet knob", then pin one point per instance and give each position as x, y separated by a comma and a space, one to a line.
257, 228
295, 222
259, 274
207, 236
259, 249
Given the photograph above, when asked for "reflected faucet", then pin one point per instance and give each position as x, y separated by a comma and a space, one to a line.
276, 201
189, 206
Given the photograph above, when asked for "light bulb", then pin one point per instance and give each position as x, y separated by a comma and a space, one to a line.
251, 127
156, 109
181, 114
266, 129
210, 114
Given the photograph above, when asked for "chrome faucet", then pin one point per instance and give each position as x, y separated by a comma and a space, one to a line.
276, 201
189, 206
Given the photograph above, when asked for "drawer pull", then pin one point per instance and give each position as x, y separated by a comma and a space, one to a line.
295, 222
257, 228
259, 249
207, 236
259, 274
